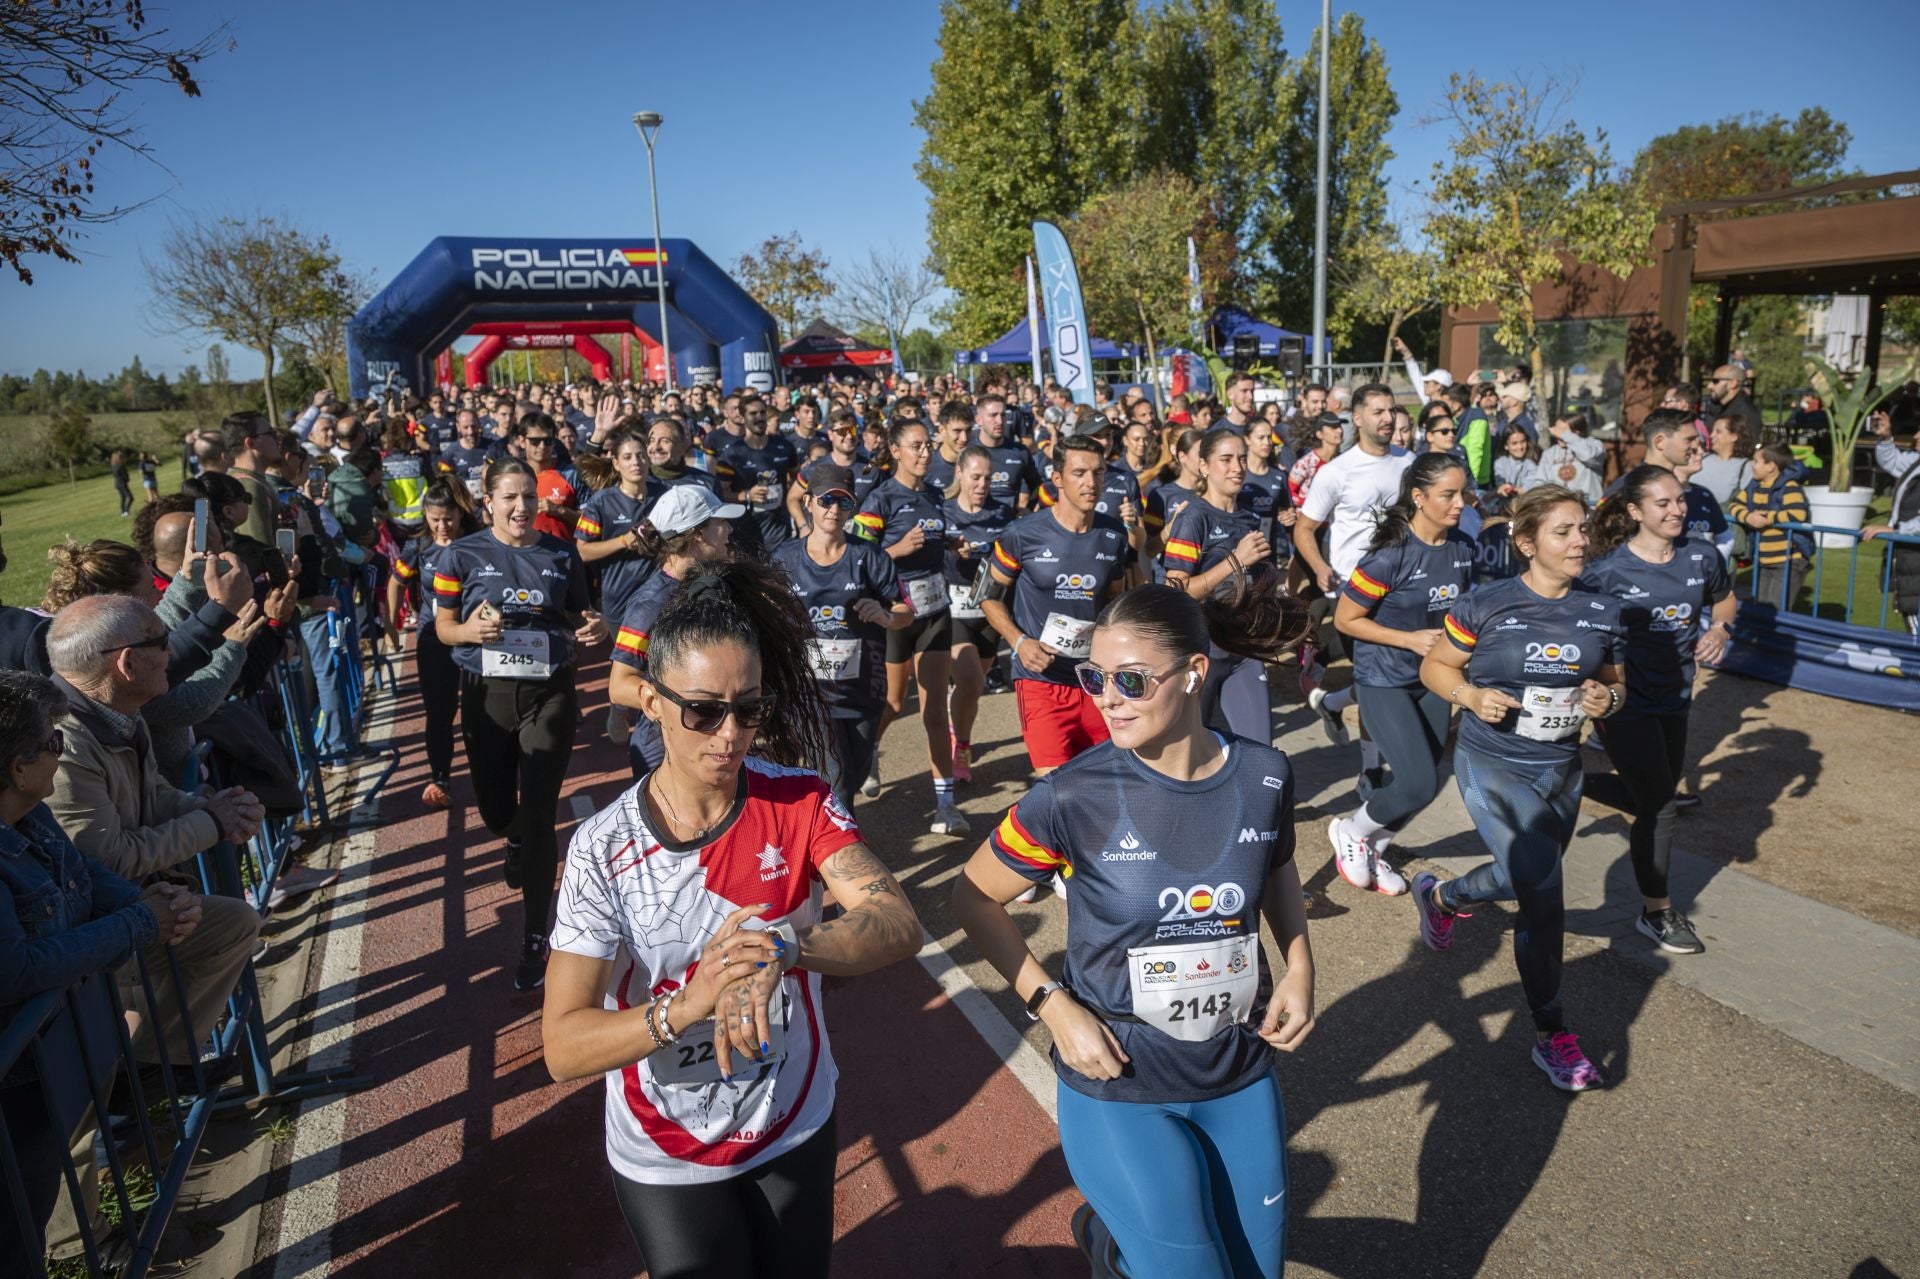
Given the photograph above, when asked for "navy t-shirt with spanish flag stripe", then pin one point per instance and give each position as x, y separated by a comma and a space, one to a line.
1055, 570
1519, 640
1154, 861
537, 587
630, 649
1406, 587
1201, 534
418, 558
608, 516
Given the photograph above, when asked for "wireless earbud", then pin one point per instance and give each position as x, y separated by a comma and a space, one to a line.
1193, 677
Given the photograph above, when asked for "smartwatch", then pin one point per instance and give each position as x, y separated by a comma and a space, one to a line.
1039, 997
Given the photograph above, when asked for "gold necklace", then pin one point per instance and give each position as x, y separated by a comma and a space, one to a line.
659, 793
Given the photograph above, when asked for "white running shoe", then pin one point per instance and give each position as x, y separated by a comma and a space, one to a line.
871, 787
1030, 893
949, 820
1386, 879
1352, 856
1329, 720
1059, 885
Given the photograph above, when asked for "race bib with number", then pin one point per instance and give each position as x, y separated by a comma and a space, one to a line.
690, 1063
926, 595
775, 491
1067, 636
834, 659
1549, 714
960, 600
1195, 990
518, 655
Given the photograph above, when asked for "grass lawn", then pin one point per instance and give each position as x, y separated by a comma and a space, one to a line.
33, 521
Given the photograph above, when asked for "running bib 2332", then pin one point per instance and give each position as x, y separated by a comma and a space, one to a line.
1549, 714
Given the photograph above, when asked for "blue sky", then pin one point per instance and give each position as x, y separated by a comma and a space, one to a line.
387, 124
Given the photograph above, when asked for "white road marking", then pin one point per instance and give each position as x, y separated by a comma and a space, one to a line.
307, 1211
1034, 1071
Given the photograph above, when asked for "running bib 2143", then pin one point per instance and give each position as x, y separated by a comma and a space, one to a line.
1195, 990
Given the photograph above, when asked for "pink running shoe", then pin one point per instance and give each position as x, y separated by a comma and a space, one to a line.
1436, 925
1311, 670
1565, 1064
962, 760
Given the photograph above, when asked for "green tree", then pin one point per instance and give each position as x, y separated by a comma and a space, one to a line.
1131, 249
70, 439
787, 278
1525, 195
1382, 281
1220, 101
248, 281
1029, 113
1357, 153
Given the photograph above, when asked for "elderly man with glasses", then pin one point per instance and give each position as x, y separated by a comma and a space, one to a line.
109, 657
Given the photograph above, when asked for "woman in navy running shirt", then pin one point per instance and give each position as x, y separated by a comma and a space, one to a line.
513, 606
974, 521
1677, 604
1213, 541
449, 516
1418, 565
1177, 840
905, 520
1529, 660
852, 594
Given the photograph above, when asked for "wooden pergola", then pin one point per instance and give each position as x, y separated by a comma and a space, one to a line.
1867, 246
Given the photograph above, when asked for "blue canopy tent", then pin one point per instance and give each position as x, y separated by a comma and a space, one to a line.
1014, 347
1229, 322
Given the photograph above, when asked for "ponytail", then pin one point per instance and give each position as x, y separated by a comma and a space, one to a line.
451, 493
1250, 616
753, 605
1612, 522
1396, 521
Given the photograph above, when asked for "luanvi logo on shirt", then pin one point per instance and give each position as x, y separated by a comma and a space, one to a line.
772, 863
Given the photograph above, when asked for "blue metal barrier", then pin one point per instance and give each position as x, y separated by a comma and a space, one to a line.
76, 1040
1818, 568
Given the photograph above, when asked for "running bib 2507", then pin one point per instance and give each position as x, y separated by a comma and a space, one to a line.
1067, 636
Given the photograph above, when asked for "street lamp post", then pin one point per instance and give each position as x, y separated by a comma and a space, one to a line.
648, 123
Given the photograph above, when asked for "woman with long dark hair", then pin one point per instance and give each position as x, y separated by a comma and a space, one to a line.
1212, 544
1417, 566
1177, 840
1669, 585
974, 520
448, 515
704, 1015
513, 607
1529, 660
904, 518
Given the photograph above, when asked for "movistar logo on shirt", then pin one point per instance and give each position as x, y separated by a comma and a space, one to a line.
1248, 835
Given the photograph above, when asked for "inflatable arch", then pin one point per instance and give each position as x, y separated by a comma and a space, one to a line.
459, 284
499, 337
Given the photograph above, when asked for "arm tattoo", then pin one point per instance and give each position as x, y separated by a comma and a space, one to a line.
854, 861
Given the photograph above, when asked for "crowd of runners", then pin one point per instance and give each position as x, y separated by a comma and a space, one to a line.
778, 578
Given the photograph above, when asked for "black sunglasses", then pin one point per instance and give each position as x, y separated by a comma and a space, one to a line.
840, 500
155, 641
1443, 430
707, 714
541, 440
1131, 682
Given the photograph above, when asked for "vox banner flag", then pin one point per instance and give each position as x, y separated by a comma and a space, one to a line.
1066, 313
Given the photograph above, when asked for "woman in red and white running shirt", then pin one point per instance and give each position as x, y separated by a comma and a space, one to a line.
694, 902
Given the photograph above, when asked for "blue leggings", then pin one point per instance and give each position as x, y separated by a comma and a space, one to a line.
1188, 1190
1525, 813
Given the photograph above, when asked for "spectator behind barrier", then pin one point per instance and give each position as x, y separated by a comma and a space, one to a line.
63, 916
109, 660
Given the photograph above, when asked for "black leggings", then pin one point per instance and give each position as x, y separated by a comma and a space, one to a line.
775, 1222
519, 734
853, 751
1648, 754
440, 692
1409, 725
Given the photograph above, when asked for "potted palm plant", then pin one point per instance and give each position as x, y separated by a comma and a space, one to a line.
1837, 503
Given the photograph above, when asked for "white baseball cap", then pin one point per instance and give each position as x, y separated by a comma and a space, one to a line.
688, 506
1440, 376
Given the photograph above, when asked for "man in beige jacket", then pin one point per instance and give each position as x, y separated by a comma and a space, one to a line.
109, 657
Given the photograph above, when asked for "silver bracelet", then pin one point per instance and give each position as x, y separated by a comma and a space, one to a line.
667, 1034
653, 1032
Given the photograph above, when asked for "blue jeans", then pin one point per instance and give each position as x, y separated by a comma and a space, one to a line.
1525, 813
1187, 1190
329, 685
